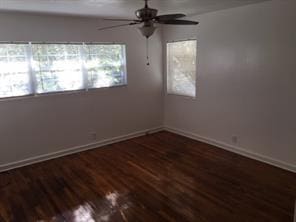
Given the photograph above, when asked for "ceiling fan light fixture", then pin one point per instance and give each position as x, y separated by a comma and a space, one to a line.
147, 31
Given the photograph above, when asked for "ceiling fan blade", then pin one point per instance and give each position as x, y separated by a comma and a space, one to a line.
115, 26
169, 17
178, 22
122, 20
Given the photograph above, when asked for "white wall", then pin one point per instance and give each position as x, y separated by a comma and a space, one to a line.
40, 125
246, 80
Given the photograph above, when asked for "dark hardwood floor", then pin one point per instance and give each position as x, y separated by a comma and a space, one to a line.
159, 177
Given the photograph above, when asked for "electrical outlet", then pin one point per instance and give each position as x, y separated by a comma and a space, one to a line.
93, 136
234, 139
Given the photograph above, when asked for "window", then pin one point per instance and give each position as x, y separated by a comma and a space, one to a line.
42, 68
57, 67
105, 65
181, 68
14, 70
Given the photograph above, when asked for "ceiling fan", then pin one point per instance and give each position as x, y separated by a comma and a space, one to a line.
148, 17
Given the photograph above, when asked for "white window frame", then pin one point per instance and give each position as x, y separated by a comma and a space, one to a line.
32, 77
166, 71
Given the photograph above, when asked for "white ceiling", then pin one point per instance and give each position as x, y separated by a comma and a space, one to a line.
118, 8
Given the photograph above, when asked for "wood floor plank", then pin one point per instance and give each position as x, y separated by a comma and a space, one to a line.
157, 177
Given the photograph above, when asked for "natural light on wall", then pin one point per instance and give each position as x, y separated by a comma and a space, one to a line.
181, 68
31, 68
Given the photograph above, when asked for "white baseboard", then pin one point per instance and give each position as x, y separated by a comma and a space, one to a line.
234, 149
64, 152
231, 148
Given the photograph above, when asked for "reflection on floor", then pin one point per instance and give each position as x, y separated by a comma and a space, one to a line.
85, 212
159, 177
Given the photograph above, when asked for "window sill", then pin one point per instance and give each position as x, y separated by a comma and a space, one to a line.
70, 92
182, 96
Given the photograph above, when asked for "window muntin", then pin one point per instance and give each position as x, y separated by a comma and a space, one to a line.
33, 68
14, 70
105, 65
181, 68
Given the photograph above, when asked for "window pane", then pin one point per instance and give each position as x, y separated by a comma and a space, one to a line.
181, 68
57, 67
14, 70
105, 65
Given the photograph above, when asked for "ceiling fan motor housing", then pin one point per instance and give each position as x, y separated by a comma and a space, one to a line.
146, 13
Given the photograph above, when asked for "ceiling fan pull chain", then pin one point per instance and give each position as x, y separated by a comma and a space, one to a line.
147, 51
